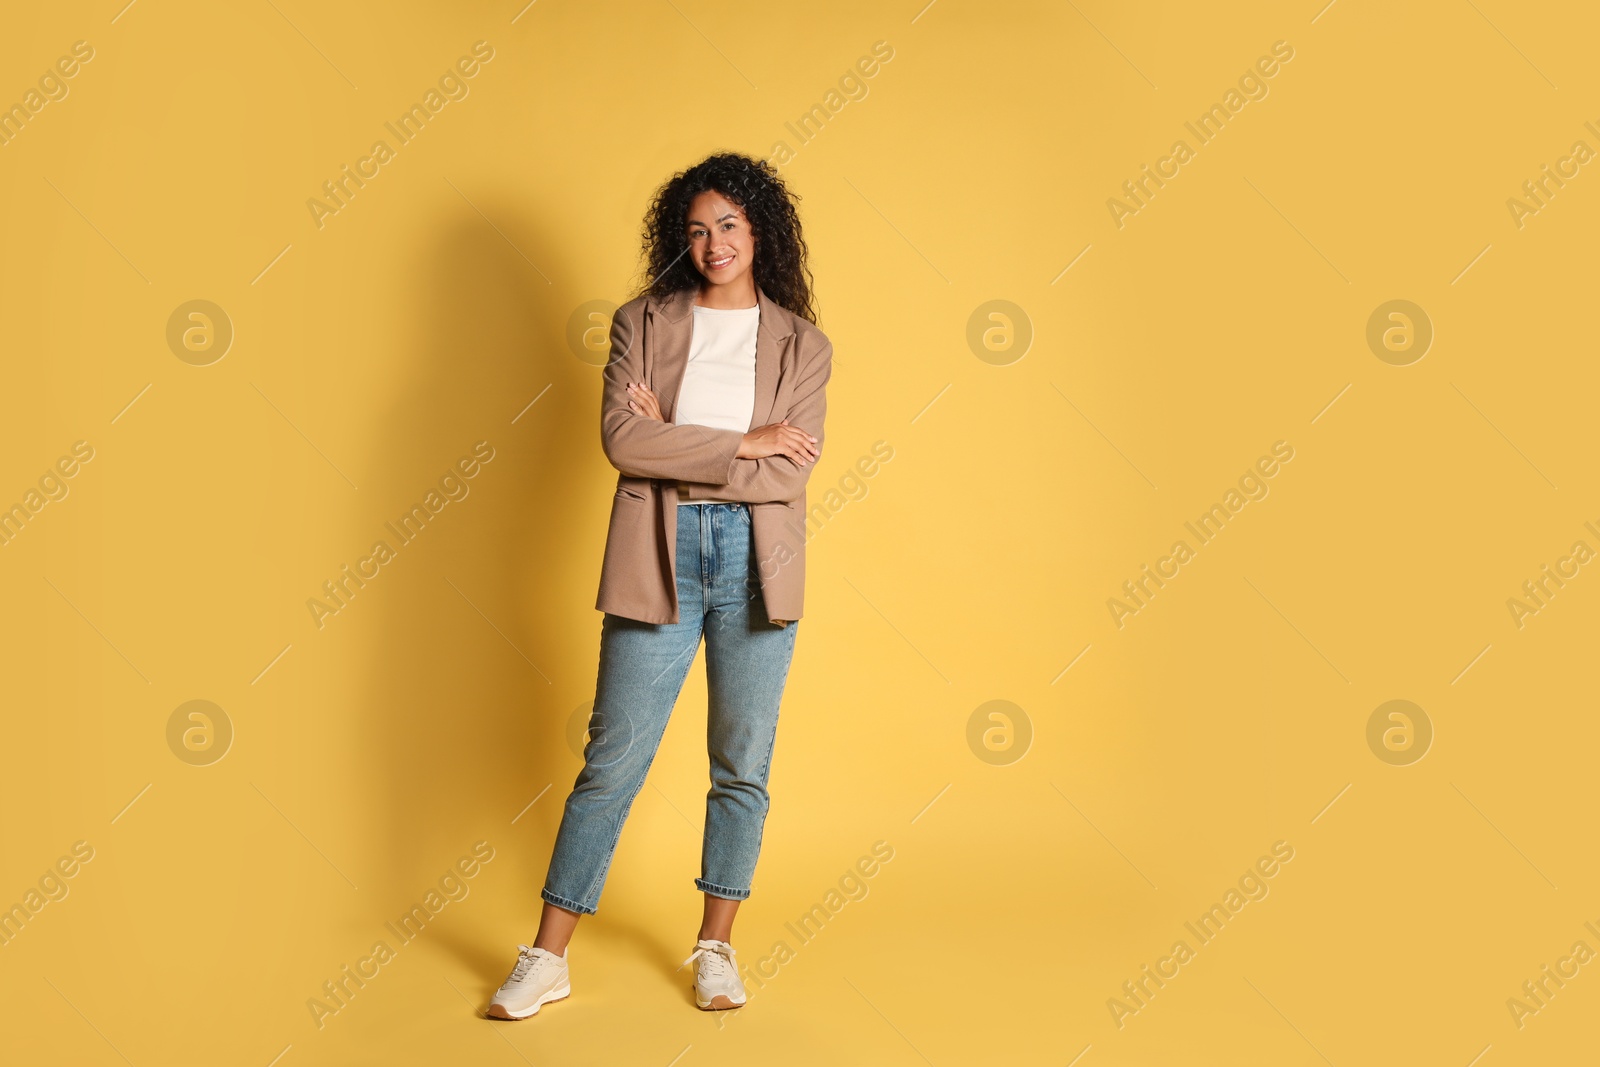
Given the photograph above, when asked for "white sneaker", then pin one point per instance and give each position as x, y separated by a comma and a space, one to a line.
538, 978
716, 979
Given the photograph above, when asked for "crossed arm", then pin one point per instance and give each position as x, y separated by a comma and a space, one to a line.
703, 459
643, 447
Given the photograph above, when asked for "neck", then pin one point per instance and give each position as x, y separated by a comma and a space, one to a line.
731, 296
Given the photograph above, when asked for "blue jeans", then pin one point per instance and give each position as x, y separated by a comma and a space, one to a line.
642, 669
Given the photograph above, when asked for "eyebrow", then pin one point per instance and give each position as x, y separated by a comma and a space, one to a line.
726, 215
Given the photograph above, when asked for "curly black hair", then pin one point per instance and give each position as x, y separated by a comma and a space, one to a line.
780, 262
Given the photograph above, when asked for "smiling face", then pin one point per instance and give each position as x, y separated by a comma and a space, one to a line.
722, 246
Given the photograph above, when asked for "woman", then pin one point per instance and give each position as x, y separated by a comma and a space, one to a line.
712, 412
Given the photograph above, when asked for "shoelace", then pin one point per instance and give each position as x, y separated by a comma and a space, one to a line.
717, 962
525, 961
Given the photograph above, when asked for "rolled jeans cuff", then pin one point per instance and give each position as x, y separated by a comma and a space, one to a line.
720, 891
563, 902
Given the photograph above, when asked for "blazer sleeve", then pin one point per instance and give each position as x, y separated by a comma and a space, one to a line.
779, 478
642, 447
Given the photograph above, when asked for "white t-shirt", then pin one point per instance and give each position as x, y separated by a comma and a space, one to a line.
719, 381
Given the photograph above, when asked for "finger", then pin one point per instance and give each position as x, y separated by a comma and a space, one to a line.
802, 443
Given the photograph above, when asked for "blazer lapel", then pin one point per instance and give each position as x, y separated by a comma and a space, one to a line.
772, 339
673, 330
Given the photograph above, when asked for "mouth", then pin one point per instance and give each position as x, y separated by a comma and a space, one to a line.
719, 264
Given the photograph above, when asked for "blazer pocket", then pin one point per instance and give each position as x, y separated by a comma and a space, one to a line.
625, 493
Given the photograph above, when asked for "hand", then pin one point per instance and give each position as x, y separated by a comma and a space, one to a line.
779, 439
644, 401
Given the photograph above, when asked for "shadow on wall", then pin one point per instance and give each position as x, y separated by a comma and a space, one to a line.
484, 649
455, 725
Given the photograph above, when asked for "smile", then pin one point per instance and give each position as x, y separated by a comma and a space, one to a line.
718, 264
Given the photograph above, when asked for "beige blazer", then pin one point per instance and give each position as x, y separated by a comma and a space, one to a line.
650, 343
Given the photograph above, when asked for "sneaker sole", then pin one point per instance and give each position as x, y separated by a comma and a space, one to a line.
720, 1002
500, 1011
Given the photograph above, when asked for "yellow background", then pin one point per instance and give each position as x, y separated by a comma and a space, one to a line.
1230, 713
